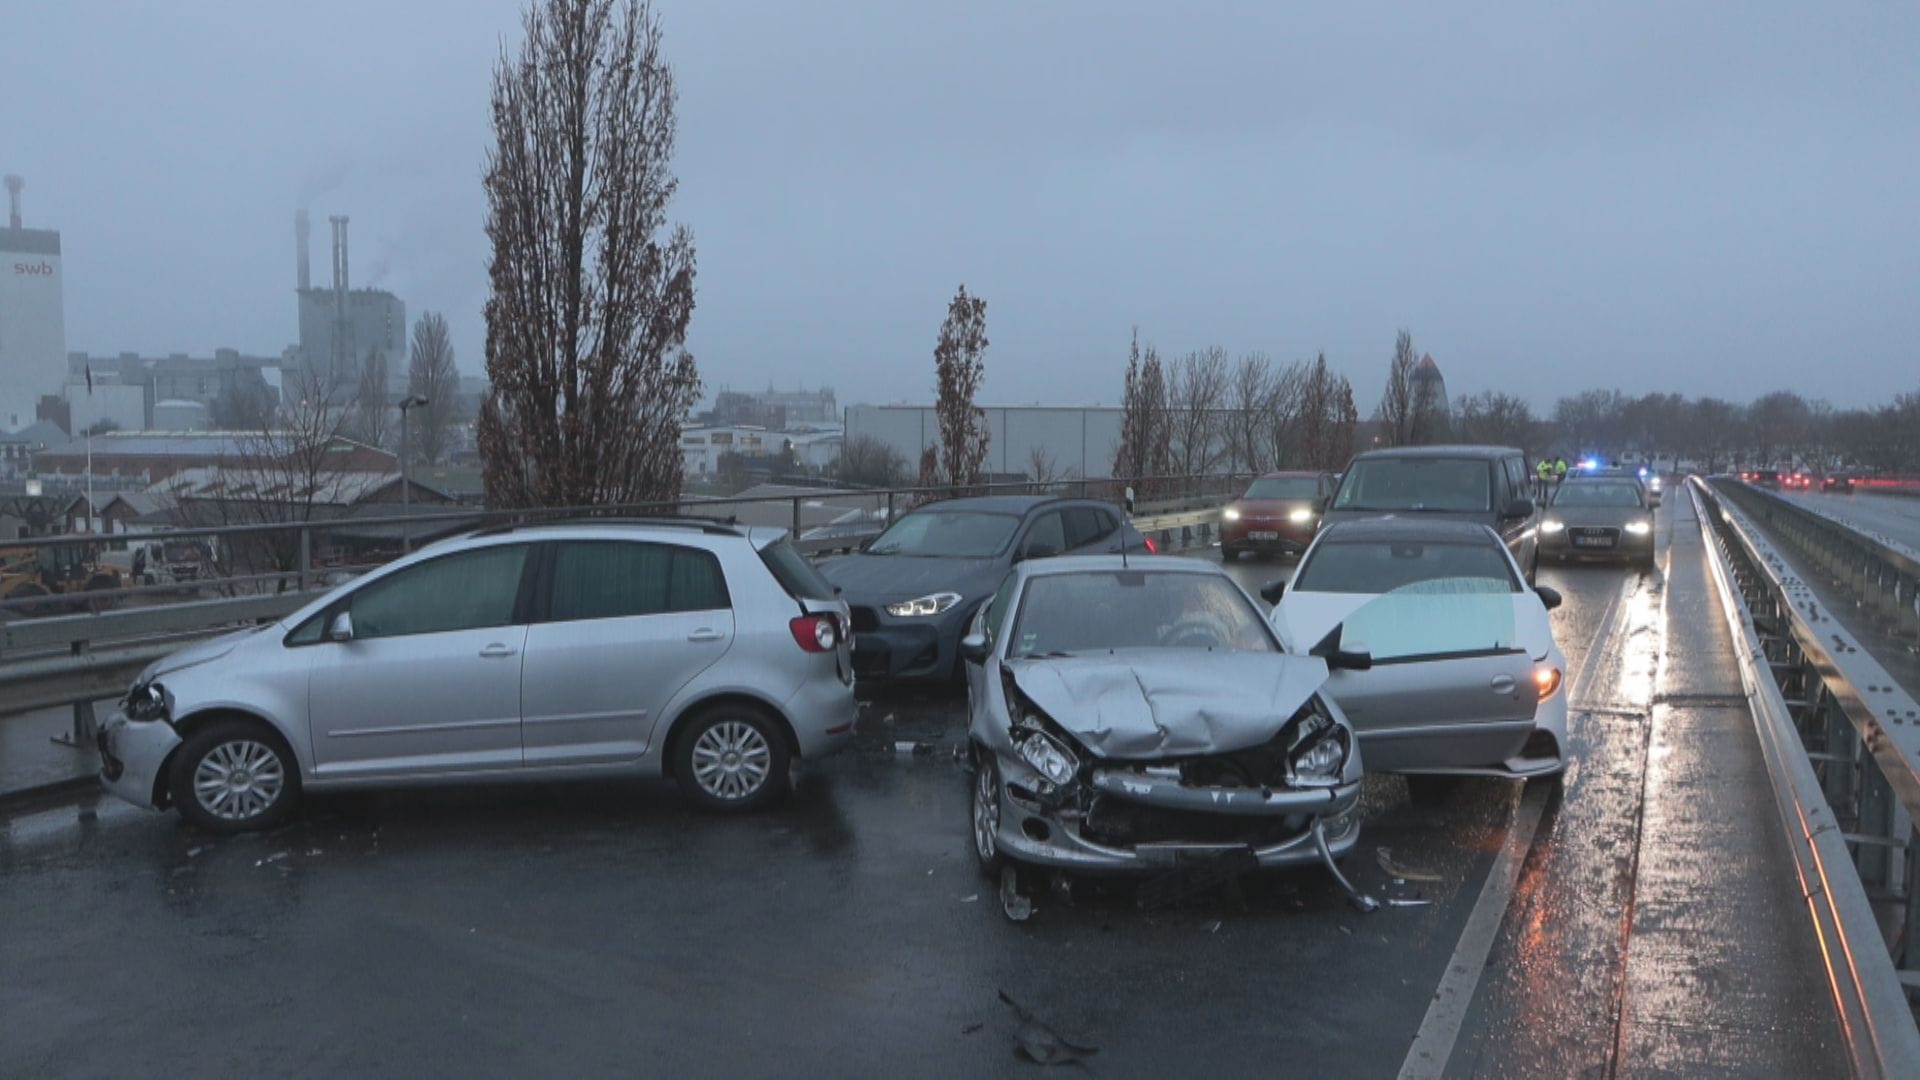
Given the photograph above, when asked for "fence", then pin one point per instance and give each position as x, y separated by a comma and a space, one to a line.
76, 656
1842, 745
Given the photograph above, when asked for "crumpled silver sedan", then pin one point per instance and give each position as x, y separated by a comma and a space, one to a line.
1138, 714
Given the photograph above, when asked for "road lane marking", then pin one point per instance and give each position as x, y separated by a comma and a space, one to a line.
1433, 1045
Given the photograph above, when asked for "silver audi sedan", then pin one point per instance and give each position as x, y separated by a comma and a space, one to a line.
708, 653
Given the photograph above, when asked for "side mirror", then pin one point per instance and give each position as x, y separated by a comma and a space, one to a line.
1519, 508
1549, 596
974, 648
1341, 658
1320, 504
1129, 501
1273, 590
341, 628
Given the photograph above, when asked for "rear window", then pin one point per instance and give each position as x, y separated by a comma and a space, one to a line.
794, 573
1381, 566
1455, 485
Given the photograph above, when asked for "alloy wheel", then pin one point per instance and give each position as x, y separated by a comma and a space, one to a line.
239, 780
731, 760
986, 812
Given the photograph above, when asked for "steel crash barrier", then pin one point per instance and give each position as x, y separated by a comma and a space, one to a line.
1842, 748
52, 654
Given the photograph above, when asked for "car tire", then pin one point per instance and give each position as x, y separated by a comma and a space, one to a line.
732, 760
234, 776
983, 814
1430, 790
1228, 555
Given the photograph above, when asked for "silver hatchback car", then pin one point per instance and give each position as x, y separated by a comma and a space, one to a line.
705, 652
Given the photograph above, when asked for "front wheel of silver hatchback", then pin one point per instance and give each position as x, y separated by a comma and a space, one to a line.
732, 759
986, 813
234, 776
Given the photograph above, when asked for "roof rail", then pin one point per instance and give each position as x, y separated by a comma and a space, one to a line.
713, 526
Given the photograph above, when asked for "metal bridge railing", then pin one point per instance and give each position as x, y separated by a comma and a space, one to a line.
76, 657
1842, 745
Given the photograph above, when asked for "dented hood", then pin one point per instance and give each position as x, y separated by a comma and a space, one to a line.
1142, 704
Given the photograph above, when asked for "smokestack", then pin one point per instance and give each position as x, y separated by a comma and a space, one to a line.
14, 184
300, 233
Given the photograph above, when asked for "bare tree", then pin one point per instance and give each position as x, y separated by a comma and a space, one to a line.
591, 292
431, 375
1246, 420
1042, 470
1495, 419
1143, 449
367, 420
1286, 411
869, 462
1326, 419
959, 370
1399, 401
1196, 393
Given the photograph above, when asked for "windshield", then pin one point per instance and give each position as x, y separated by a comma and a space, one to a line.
1382, 566
1624, 494
179, 551
1284, 487
1461, 485
1098, 611
947, 534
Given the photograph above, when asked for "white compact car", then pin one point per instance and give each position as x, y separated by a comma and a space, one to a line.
1466, 678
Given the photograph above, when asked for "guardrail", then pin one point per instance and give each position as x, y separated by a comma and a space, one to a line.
1840, 742
78, 658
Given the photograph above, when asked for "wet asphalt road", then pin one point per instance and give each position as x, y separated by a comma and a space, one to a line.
598, 929
1896, 517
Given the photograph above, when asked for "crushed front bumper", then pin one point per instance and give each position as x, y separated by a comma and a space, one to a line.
132, 755
1279, 824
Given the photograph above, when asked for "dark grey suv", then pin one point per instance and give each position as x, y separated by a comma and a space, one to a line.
1489, 485
914, 588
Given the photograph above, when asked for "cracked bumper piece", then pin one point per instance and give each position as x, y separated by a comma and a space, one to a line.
132, 754
1135, 824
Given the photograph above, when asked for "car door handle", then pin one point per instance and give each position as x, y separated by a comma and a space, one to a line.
1502, 684
497, 651
704, 634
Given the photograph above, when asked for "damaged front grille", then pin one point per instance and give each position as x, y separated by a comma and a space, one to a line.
1121, 823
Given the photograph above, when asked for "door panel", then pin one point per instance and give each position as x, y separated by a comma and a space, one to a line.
430, 681
1458, 711
626, 626
419, 703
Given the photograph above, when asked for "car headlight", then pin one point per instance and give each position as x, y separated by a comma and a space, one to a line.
147, 702
1300, 516
1653, 482
1552, 525
1319, 752
1639, 528
1230, 514
930, 604
1047, 756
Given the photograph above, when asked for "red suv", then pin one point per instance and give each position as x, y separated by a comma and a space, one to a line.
1280, 512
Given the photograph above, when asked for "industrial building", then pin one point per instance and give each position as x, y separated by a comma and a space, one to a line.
176, 392
1079, 440
33, 334
340, 326
777, 410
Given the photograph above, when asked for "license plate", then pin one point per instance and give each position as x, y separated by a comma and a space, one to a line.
1592, 541
1263, 536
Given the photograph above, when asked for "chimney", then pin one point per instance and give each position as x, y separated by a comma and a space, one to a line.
300, 233
14, 184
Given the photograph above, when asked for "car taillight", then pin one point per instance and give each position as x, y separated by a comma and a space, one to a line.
1152, 548
1546, 680
816, 633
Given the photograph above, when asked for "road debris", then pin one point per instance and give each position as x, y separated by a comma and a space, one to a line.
1394, 901
1017, 905
1035, 1042
972, 1028
970, 899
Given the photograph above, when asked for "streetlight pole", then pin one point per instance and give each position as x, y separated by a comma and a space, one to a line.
408, 403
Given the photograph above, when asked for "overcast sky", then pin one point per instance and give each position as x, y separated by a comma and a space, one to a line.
1701, 197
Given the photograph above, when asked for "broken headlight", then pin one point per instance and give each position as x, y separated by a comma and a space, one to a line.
1048, 756
1318, 754
147, 702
